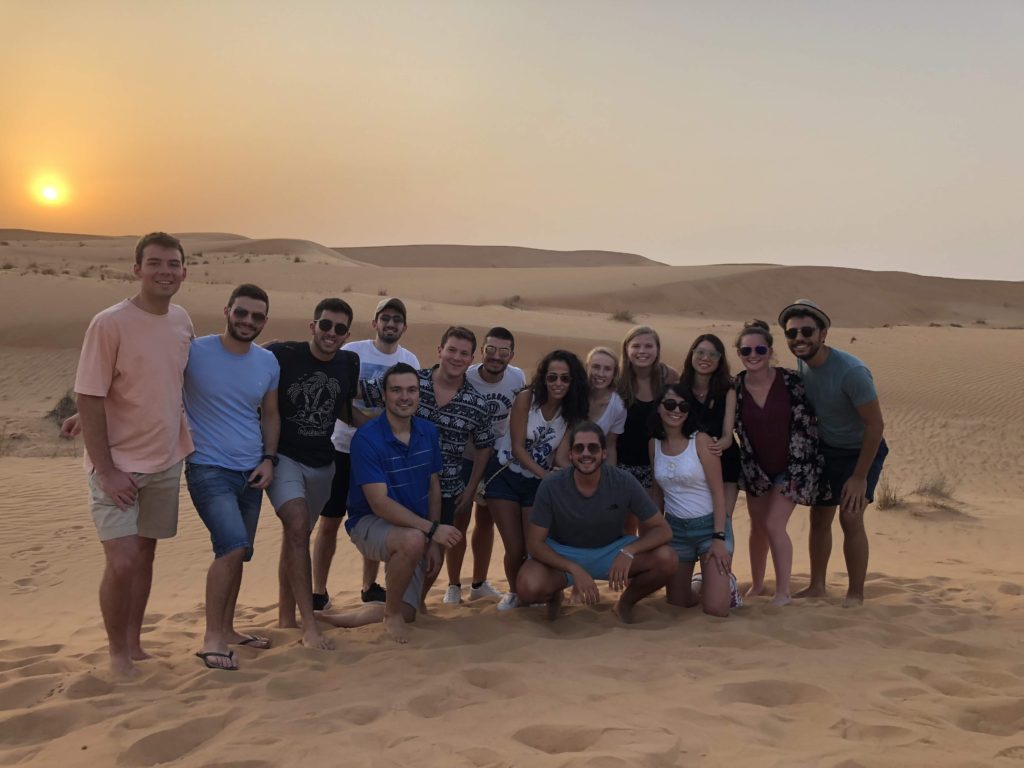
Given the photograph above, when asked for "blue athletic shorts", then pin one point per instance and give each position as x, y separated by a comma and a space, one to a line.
597, 562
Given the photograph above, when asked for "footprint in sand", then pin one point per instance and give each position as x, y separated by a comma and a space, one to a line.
1003, 719
360, 715
772, 693
559, 739
174, 743
501, 680
1015, 753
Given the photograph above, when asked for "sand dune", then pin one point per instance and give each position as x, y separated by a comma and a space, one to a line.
489, 256
928, 673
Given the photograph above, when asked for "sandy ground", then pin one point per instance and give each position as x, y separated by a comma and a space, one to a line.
929, 672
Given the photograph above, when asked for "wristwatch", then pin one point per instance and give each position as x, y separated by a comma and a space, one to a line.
272, 456
720, 535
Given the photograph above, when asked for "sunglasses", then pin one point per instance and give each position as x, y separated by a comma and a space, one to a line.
551, 378
671, 405
501, 352
240, 314
388, 319
804, 330
594, 449
325, 325
761, 349
707, 354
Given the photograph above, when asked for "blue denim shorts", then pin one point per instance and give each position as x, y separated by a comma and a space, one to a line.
510, 485
597, 562
691, 537
227, 505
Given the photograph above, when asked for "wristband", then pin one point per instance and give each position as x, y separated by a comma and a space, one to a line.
433, 530
273, 458
627, 554
720, 535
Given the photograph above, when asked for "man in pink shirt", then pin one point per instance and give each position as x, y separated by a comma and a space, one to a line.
129, 388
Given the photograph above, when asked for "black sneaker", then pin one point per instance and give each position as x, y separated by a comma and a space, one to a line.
375, 594
321, 602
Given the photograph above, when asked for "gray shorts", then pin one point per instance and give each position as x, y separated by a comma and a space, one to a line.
370, 536
293, 480
154, 515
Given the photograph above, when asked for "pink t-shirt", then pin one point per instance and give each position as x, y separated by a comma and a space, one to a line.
136, 361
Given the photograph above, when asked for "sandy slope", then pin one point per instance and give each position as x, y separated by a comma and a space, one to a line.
930, 672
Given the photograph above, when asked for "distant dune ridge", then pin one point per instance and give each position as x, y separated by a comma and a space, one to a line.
928, 673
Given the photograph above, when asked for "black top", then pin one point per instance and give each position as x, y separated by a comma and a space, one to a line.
707, 417
632, 445
312, 394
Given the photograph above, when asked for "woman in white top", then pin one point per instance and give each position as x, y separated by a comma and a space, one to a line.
606, 408
534, 445
688, 488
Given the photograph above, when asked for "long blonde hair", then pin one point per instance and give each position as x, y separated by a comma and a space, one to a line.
615, 361
627, 376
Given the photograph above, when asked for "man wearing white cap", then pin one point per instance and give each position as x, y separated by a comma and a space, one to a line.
842, 392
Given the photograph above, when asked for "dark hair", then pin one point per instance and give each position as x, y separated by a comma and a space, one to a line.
587, 426
654, 425
721, 379
497, 332
576, 403
459, 332
158, 238
333, 305
394, 370
627, 376
249, 291
759, 328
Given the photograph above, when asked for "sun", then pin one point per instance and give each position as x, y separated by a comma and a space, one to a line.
50, 190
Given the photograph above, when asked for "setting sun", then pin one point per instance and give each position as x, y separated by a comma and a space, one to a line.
50, 190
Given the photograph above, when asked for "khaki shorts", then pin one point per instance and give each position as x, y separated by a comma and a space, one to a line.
154, 515
370, 535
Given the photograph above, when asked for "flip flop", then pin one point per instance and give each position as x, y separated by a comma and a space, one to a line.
205, 656
254, 641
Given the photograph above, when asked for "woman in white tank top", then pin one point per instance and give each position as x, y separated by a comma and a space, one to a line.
688, 488
606, 408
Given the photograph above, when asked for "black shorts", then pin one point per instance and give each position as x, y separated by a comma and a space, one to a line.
839, 465
731, 464
448, 511
338, 503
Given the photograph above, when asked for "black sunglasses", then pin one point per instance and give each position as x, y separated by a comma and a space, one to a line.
804, 330
551, 378
326, 325
761, 349
594, 449
240, 314
671, 405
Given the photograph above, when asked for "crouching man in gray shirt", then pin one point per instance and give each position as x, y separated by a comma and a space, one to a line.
576, 533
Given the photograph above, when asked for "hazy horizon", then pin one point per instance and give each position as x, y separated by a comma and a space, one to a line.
873, 135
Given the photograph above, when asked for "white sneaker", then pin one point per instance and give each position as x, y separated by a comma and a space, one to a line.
508, 602
452, 595
484, 590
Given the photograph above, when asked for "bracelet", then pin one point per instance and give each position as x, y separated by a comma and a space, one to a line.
627, 554
720, 535
433, 530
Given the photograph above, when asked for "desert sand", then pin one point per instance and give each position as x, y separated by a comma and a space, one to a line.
929, 672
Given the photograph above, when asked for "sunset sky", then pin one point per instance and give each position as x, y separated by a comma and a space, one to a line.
868, 134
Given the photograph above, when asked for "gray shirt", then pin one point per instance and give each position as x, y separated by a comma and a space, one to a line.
589, 522
835, 389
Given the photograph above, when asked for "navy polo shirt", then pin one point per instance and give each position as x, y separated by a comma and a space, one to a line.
379, 457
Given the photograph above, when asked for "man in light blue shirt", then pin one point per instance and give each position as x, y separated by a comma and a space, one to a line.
842, 392
230, 399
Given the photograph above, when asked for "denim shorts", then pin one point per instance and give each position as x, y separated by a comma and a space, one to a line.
510, 485
228, 506
839, 465
597, 562
691, 536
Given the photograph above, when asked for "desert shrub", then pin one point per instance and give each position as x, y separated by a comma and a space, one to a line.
298, 259
888, 495
512, 302
382, 291
937, 486
49, 271
7, 265
65, 407
623, 316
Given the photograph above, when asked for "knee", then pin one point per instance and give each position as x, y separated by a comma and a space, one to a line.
666, 561
721, 611
530, 583
409, 544
125, 565
329, 528
851, 522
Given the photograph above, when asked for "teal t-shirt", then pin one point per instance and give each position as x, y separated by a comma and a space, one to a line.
835, 389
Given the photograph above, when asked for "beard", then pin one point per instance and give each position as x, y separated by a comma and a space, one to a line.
239, 335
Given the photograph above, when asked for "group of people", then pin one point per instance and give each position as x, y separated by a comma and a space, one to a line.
616, 467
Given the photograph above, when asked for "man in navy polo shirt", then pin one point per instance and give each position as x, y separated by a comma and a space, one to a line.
394, 504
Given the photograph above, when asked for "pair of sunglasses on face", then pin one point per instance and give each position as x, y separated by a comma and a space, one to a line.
240, 314
594, 449
804, 330
761, 349
551, 378
671, 405
325, 325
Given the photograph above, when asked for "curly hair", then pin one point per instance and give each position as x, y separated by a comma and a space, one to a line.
576, 403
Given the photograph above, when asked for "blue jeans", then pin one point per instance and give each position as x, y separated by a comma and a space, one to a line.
691, 537
228, 506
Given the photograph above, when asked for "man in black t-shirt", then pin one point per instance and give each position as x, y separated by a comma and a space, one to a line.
318, 382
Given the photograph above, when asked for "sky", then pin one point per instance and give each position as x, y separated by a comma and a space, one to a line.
878, 135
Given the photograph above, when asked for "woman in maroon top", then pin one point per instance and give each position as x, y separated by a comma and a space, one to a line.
778, 454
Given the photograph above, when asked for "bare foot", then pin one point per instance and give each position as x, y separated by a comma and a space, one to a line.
781, 599
853, 601
811, 591
123, 667
140, 655
285, 623
397, 628
555, 604
314, 639
624, 611
754, 591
